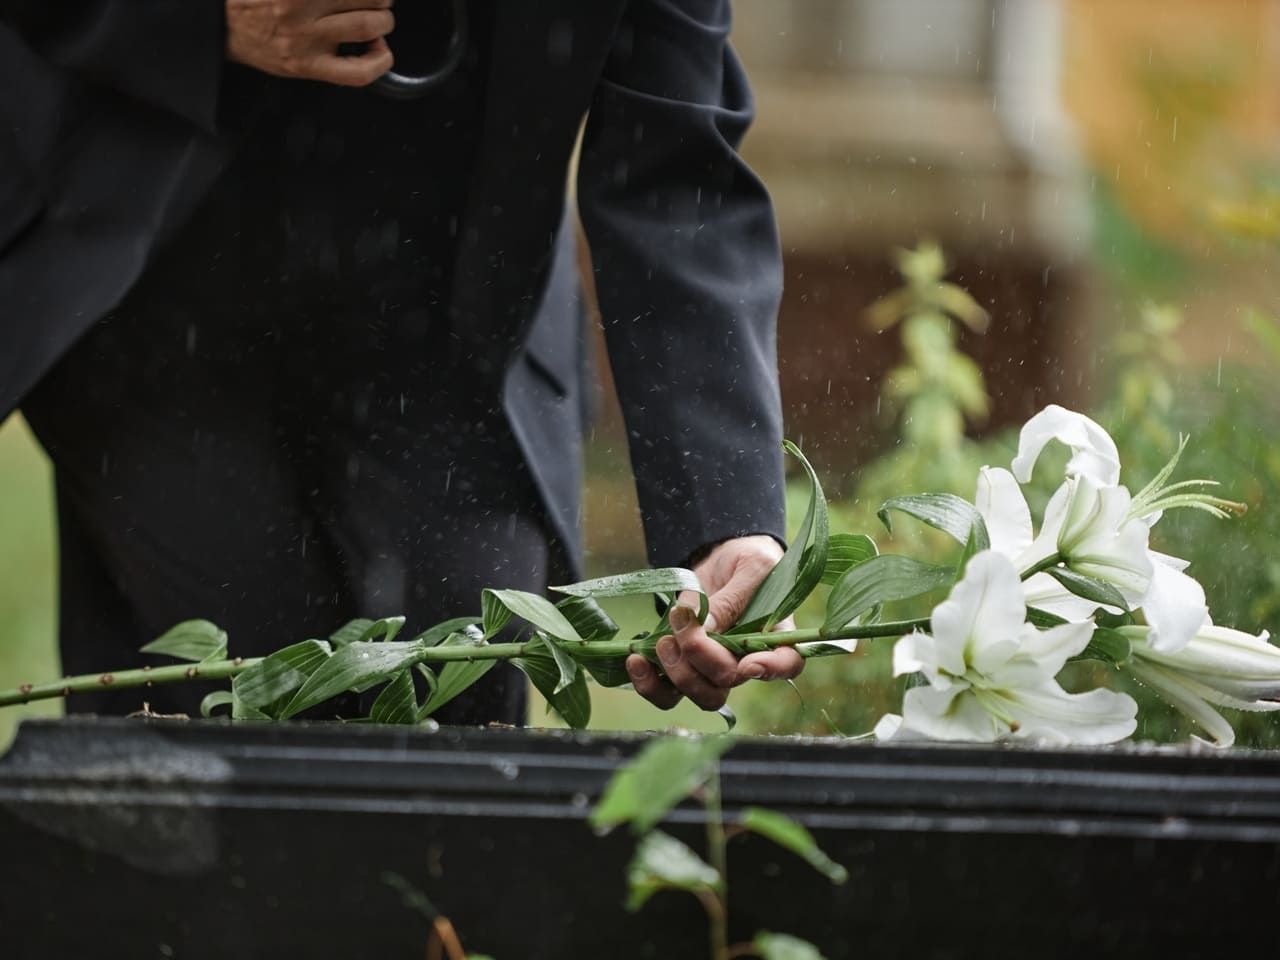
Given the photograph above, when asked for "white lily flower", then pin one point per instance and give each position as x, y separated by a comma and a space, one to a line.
1004, 509
991, 674
1219, 666
1078, 526
1088, 526
1093, 452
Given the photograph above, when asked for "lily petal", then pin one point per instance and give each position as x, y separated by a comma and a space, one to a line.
979, 623
1046, 542
1175, 608
1174, 688
1241, 670
1004, 509
1094, 453
913, 653
888, 727
1099, 539
1049, 714
1052, 648
949, 715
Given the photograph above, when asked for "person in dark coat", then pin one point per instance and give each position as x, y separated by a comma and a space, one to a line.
300, 353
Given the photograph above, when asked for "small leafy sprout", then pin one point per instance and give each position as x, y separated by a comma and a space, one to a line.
665, 773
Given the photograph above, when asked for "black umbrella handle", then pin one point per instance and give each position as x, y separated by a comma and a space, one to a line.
400, 86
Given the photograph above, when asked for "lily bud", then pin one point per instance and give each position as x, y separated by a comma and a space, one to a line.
1219, 666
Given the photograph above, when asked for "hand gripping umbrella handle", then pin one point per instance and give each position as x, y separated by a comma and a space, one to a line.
401, 86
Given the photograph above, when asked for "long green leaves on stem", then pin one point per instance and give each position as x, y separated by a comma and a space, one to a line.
802, 565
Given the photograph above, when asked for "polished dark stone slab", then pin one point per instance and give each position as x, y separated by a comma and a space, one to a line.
136, 839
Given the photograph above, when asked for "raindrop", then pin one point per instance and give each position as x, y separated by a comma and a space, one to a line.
508, 769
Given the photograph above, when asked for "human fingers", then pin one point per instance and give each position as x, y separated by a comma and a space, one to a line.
357, 71
356, 26
732, 573
323, 8
687, 679
300, 38
704, 655
782, 663
650, 685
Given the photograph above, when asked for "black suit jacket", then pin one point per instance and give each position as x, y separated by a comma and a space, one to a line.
110, 137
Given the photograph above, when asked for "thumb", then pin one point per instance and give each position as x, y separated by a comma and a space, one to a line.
729, 602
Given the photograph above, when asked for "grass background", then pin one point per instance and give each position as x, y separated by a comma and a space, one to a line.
27, 566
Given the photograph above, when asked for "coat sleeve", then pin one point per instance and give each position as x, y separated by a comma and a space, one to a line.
688, 273
165, 53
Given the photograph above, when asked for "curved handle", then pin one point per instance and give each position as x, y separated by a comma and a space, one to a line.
400, 86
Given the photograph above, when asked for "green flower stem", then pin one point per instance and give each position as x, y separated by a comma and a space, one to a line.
717, 853
1050, 561
224, 669
143, 677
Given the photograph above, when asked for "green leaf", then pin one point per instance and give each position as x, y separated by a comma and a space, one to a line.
1043, 618
219, 698
435, 635
958, 302
429, 675
661, 862
567, 666
783, 946
845, 550
195, 640
879, 580
398, 701
1090, 588
607, 666
665, 582
818, 648
498, 606
494, 614
1107, 645
242, 711
355, 667
594, 625
350, 632
386, 629
954, 516
801, 566
457, 676
279, 674
792, 836
967, 554
588, 618
656, 779
573, 704
559, 679
728, 716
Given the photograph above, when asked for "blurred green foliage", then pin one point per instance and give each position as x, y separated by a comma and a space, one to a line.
27, 563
